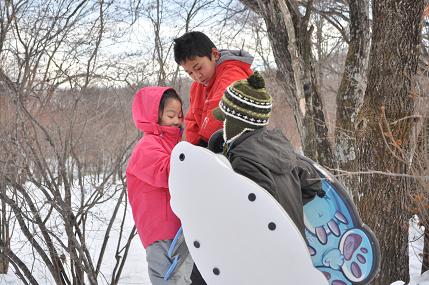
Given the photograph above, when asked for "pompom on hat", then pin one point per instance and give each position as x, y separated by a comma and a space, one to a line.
245, 105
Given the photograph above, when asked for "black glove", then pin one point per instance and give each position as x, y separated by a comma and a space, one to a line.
216, 142
321, 193
202, 143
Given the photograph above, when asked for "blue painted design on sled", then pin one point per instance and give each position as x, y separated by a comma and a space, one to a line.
341, 246
171, 251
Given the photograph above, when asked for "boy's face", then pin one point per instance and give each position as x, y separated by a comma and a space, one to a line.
202, 69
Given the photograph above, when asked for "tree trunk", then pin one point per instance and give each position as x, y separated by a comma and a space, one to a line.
4, 232
425, 262
352, 89
317, 144
291, 43
383, 131
279, 38
424, 204
4, 168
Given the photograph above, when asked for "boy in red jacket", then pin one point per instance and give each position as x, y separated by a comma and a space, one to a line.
212, 70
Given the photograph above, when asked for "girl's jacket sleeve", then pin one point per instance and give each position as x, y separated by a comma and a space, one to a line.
151, 166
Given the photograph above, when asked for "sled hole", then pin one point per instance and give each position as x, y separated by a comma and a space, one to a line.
272, 226
196, 244
251, 197
182, 157
216, 271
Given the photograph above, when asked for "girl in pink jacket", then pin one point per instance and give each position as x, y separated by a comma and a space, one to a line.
157, 112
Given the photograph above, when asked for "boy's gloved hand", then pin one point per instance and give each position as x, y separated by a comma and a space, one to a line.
202, 143
216, 142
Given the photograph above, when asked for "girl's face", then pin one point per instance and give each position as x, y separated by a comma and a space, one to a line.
172, 114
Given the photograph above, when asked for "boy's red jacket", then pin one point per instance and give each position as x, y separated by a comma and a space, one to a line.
200, 122
148, 170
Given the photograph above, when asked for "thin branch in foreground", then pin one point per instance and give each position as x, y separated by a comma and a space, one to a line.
371, 172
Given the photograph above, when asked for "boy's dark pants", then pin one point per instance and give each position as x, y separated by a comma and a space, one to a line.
196, 277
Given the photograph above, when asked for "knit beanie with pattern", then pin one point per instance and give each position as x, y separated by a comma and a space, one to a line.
245, 105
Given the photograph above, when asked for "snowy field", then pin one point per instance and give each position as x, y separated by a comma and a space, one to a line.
415, 249
135, 270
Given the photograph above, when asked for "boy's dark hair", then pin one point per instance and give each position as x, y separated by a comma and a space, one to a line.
168, 94
190, 45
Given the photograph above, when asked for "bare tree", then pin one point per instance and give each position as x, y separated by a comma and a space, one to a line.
176, 17
290, 36
421, 171
4, 166
45, 149
421, 198
384, 131
420, 140
7, 14
352, 88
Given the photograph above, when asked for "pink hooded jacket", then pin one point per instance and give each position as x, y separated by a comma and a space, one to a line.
148, 170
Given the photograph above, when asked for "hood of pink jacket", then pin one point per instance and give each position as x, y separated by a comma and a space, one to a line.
151, 155
146, 109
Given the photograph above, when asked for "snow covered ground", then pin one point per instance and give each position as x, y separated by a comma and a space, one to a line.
135, 270
415, 249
